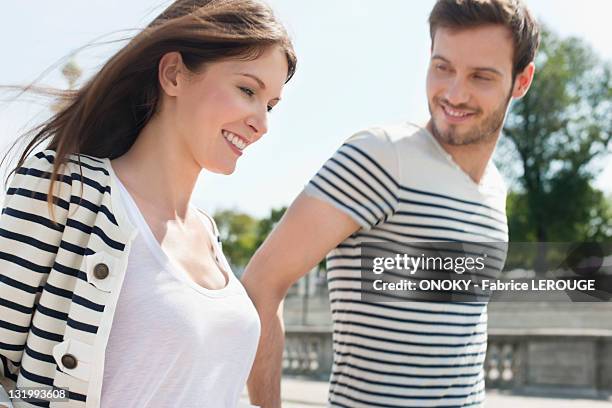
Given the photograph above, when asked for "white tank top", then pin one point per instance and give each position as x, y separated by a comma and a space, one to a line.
174, 343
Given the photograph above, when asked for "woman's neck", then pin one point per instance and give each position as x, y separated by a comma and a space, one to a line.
159, 171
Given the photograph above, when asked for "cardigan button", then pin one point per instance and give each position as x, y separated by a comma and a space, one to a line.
69, 361
100, 271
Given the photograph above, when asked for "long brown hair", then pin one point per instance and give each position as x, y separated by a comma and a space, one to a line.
104, 117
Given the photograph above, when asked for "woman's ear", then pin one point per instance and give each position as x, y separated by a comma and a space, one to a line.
169, 70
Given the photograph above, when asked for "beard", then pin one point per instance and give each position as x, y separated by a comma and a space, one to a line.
484, 131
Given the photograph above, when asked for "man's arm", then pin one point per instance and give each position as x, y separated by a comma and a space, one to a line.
307, 232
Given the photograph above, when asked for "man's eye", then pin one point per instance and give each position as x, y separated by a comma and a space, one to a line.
441, 68
481, 78
270, 108
247, 91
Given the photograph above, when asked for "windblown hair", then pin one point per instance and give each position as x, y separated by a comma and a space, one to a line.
105, 116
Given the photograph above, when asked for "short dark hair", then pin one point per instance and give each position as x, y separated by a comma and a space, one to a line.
513, 14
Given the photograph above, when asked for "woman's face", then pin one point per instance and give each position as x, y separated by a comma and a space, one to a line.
223, 109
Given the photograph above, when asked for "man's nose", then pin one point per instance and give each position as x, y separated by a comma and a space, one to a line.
457, 92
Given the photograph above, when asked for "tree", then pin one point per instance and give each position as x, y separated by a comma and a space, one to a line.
242, 234
557, 132
238, 233
266, 225
72, 72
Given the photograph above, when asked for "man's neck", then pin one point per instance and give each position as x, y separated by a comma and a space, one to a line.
472, 158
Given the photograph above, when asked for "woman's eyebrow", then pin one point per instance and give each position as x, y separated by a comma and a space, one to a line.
259, 81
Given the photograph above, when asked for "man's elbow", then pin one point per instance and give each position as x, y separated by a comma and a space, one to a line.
266, 296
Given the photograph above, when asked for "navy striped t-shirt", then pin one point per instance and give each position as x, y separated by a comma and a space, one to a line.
401, 186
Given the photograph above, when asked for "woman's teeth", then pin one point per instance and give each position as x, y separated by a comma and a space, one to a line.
233, 139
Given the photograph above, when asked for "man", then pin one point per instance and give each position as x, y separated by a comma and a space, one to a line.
405, 184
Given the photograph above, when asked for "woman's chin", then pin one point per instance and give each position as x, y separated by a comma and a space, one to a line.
224, 167
224, 170
227, 172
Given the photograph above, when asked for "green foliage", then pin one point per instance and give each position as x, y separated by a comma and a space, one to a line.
238, 234
556, 131
242, 234
266, 225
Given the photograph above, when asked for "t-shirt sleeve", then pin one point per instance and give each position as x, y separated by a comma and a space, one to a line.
361, 178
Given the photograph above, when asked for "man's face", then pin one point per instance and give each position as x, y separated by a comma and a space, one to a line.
469, 83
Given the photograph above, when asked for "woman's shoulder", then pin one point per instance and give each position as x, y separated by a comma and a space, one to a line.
44, 160
82, 169
75, 165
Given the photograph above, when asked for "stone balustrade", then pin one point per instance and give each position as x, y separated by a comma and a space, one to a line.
308, 351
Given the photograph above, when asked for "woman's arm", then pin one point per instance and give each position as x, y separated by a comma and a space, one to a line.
307, 232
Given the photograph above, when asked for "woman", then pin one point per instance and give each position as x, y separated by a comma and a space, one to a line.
112, 286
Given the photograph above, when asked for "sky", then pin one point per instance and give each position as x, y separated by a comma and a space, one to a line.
361, 63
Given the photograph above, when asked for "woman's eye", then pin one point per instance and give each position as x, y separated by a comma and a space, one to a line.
441, 68
247, 91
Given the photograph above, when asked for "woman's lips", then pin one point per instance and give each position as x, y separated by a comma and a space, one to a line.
237, 151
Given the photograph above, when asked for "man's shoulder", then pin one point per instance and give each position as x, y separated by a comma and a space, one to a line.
387, 145
388, 134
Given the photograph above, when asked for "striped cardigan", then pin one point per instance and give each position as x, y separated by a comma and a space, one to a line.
59, 282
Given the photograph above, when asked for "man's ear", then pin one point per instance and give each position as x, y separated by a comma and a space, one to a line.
170, 66
523, 81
